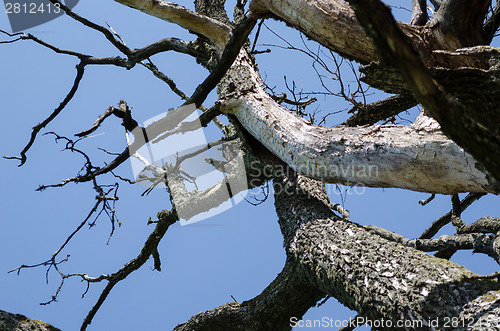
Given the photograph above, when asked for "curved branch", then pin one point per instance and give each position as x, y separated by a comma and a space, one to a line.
80, 69
331, 23
378, 278
381, 156
216, 31
394, 47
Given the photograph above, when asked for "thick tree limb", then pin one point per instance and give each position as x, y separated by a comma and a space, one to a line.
285, 297
338, 30
18, 322
393, 47
485, 224
108, 34
210, 28
382, 156
462, 20
80, 69
379, 278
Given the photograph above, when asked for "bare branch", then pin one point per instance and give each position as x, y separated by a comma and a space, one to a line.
426, 201
380, 110
479, 242
165, 219
216, 31
445, 219
97, 123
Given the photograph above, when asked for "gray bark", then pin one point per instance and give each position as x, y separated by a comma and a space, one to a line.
368, 271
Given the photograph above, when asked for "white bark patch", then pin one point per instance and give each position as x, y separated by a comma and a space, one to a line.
375, 156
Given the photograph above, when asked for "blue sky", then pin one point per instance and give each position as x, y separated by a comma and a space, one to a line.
236, 253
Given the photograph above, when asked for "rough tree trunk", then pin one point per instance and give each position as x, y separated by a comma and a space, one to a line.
325, 255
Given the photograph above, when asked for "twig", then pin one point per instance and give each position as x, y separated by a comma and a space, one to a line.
79, 75
445, 219
426, 201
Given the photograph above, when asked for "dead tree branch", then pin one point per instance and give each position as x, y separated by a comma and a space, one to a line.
445, 219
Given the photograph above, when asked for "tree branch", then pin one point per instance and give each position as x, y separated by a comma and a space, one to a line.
287, 296
445, 219
108, 34
393, 47
369, 156
218, 32
165, 219
462, 20
338, 31
80, 68
478, 242
379, 278
380, 110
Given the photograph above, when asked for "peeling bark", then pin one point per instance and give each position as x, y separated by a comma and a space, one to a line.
381, 156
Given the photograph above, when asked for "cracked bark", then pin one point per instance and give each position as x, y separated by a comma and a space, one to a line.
371, 277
